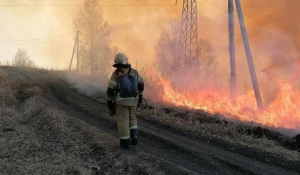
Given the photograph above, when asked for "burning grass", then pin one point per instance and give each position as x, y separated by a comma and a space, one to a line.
281, 112
197, 123
206, 110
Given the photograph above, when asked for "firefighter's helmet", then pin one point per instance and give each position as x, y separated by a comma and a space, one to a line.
120, 60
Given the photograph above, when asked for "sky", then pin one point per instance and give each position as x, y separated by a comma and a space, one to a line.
134, 29
136, 26
273, 32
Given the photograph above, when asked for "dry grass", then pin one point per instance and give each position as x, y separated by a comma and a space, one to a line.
36, 138
6, 96
209, 126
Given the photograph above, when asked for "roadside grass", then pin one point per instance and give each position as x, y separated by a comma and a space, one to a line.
197, 124
37, 138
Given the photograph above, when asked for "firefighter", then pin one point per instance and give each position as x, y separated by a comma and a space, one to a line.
126, 88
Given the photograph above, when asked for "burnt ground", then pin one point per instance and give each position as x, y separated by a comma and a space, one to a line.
162, 147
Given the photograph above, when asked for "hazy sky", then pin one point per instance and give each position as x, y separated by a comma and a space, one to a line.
135, 29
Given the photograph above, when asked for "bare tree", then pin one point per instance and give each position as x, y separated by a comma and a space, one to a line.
167, 48
94, 30
167, 51
207, 57
22, 59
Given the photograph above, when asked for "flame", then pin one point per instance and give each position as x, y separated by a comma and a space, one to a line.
282, 112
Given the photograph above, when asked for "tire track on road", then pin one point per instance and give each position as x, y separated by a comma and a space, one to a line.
191, 155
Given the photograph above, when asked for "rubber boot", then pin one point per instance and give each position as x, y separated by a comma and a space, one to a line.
125, 143
134, 136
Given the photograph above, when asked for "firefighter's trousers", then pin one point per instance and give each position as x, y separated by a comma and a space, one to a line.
126, 120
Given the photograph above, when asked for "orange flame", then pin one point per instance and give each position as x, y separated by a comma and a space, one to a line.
282, 112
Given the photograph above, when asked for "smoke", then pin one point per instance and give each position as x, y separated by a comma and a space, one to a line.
87, 85
136, 29
273, 33
193, 80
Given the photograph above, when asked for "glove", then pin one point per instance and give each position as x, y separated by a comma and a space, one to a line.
110, 104
140, 100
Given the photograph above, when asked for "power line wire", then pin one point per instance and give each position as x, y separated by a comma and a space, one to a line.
36, 39
81, 5
218, 5
245, 16
30, 43
221, 4
16, 44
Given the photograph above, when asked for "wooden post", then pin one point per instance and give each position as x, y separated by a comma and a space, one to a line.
73, 52
231, 50
249, 55
77, 43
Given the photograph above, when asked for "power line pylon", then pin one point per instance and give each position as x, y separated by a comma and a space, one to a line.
188, 52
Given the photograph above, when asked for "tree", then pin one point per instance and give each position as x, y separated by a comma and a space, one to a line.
167, 51
207, 58
93, 42
22, 59
167, 48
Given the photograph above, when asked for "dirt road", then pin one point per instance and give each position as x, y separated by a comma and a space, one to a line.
180, 153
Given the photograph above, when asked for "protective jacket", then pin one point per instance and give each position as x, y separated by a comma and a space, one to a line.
114, 86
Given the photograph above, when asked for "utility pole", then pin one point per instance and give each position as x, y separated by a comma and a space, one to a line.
249, 55
92, 57
231, 49
74, 50
77, 43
